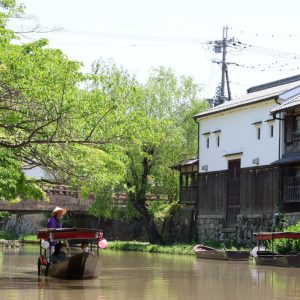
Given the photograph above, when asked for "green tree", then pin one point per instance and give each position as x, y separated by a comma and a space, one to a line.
45, 110
102, 132
8, 9
156, 132
160, 137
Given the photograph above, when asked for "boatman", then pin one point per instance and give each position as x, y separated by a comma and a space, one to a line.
55, 223
54, 220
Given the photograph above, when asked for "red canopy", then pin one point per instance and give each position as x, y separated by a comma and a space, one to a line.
70, 234
264, 236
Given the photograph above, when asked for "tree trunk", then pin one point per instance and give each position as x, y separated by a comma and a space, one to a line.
148, 222
139, 202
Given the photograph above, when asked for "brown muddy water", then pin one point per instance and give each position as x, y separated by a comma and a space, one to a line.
132, 275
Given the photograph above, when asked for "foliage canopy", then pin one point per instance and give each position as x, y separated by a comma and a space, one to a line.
104, 132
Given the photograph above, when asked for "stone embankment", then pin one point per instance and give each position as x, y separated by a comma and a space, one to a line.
10, 243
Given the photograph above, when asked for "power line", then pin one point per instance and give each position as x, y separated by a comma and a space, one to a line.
140, 37
268, 51
266, 35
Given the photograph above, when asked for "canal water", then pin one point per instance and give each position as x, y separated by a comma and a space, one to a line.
133, 275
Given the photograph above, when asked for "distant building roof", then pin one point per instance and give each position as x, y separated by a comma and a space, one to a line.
186, 162
255, 94
273, 83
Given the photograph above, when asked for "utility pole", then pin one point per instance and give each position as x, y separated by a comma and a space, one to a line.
220, 46
224, 67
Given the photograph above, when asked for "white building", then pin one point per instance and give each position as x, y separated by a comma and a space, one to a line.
249, 161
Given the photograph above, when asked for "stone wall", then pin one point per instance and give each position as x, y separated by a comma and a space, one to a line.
209, 227
292, 218
247, 225
24, 223
21, 224
179, 227
212, 228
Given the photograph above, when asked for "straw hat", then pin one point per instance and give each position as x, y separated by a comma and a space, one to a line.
56, 209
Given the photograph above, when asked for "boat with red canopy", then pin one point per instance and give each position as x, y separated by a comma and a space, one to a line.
270, 258
79, 266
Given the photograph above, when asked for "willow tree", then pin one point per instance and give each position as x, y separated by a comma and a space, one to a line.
154, 135
158, 140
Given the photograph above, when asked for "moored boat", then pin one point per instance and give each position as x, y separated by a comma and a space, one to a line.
79, 266
203, 251
270, 258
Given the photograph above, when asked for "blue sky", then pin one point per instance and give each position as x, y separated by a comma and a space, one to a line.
95, 28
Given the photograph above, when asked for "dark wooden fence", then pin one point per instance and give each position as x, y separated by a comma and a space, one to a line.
212, 193
259, 191
188, 194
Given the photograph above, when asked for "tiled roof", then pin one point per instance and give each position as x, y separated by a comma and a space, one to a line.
295, 101
287, 158
186, 162
273, 83
251, 98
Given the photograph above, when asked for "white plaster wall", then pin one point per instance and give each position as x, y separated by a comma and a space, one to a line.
238, 135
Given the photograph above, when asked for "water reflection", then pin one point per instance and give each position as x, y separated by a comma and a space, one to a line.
131, 275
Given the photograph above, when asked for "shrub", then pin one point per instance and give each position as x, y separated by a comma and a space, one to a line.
288, 246
8, 235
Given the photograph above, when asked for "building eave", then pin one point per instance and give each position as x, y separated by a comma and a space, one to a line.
225, 110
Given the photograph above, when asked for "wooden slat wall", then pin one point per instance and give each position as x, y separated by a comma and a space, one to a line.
258, 194
259, 190
188, 194
212, 193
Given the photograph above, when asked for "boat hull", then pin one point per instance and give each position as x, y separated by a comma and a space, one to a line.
80, 266
238, 255
202, 251
278, 260
212, 255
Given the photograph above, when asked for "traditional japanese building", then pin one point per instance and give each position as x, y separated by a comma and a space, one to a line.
249, 162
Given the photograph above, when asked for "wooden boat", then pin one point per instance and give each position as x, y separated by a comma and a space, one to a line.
80, 266
212, 253
269, 258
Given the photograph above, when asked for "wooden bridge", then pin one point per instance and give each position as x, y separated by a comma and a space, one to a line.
59, 195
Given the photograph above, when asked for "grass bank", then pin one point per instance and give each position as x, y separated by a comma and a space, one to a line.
30, 239
23, 238
184, 249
